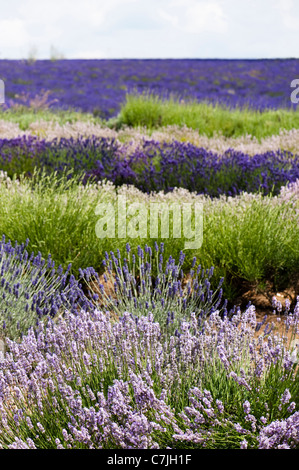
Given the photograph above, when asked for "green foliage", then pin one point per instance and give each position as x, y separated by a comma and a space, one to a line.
249, 237
153, 112
24, 116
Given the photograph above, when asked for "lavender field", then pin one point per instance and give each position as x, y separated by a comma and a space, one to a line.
100, 86
137, 342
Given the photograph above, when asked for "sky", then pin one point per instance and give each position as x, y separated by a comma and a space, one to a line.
149, 29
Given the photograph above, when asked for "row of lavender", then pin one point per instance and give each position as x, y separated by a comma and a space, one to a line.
33, 288
100, 86
152, 166
87, 383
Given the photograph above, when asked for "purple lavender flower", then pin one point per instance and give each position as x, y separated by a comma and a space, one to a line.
31, 291
280, 434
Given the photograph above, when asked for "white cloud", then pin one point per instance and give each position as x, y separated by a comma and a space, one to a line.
196, 17
202, 17
289, 19
13, 32
284, 5
88, 54
172, 19
291, 22
92, 12
159, 28
69, 25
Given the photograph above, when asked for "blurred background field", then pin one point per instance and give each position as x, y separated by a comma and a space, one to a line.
100, 86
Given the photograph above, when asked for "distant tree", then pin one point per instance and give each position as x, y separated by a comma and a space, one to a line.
55, 54
32, 54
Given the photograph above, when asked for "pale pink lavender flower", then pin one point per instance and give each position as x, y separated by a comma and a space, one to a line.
119, 387
280, 434
243, 444
286, 397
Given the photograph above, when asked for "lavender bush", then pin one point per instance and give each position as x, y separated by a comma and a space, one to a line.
51, 127
88, 381
152, 166
143, 283
31, 289
91, 156
21, 154
164, 166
